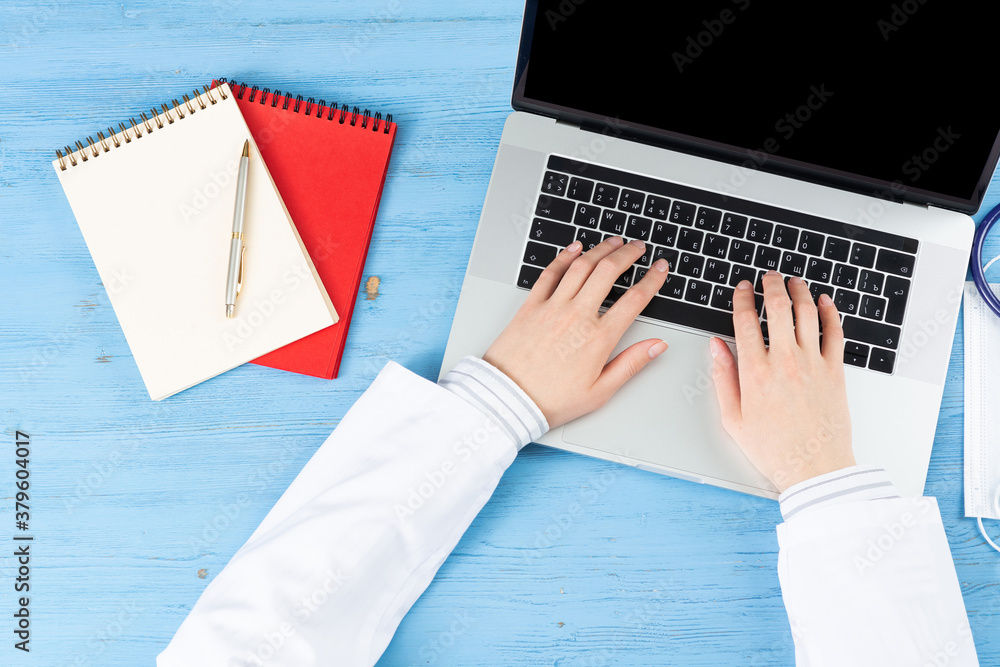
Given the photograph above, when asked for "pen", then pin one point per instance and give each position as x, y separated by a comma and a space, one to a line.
234, 282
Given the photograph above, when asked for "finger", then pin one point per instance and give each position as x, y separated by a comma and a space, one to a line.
833, 331
726, 374
625, 310
580, 270
749, 340
806, 315
625, 365
553, 273
606, 272
779, 311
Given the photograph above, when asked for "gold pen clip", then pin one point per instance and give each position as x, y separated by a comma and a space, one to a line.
239, 274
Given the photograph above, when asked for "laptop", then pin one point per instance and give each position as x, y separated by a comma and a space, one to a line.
846, 145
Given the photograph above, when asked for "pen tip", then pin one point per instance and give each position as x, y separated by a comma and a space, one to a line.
229, 310
246, 148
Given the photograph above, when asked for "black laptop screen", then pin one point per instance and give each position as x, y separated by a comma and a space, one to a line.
878, 96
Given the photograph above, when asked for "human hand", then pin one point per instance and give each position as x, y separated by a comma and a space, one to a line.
557, 346
785, 406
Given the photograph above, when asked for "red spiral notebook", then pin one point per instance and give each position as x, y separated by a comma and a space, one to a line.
329, 163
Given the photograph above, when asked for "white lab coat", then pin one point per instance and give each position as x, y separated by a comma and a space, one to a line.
866, 576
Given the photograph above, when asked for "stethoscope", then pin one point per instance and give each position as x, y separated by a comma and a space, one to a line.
979, 278
976, 260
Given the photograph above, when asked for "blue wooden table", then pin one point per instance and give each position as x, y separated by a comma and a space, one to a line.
136, 506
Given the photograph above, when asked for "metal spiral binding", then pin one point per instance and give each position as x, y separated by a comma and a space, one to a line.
341, 113
135, 130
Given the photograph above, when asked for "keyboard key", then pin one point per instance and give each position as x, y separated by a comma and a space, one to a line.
882, 360
873, 333
646, 258
846, 301
786, 238
741, 273
758, 284
767, 258
698, 292
872, 307
688, 314
895, 262
631, 201
539, 255
863, 255
819, 288
613, 296
673, 286
554, 183
625, 279
605, 195
528, 276
690, 265
613, 222
708, 219
555, 208
717, 271
690, 239
682, 213
845, 276
741, 252
638, 228
716, 246
897, 290
871, 282
580, 189
552, 232
819, 269
664, 233
668, 254
855, 354
811, 243
657, 207
837, 249
765, 333
758, 302
734, 225
587, 215
722, 297
589, 238
759, 231
793, 264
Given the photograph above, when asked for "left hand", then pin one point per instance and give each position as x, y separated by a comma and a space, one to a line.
557, 346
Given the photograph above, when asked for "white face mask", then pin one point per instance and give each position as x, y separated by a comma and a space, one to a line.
982, 409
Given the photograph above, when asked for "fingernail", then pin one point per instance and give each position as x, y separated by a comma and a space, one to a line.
657, 349
616, 241
574, 246
772, 272
824, 299
795, 279
637, 243
660, 265
744, 284
713, 343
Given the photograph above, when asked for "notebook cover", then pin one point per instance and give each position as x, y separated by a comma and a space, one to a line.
330, 172
154, 203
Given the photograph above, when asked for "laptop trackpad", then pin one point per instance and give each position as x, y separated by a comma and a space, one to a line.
668, 414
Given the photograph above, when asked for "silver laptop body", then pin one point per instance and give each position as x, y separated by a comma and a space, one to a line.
666, 419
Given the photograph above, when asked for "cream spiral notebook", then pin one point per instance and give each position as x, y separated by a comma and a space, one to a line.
154, 201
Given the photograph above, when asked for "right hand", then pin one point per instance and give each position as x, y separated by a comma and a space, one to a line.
785, 406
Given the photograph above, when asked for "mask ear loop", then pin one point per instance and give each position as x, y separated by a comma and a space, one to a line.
979, 520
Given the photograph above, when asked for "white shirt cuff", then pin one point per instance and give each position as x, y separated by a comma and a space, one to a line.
492, 392
840, 486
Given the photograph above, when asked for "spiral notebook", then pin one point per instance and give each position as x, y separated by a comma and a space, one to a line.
154, 200
329, 163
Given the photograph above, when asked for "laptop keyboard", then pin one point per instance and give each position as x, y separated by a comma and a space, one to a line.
712, 242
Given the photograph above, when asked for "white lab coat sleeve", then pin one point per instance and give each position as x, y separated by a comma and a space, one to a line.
362, 530
867, 576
